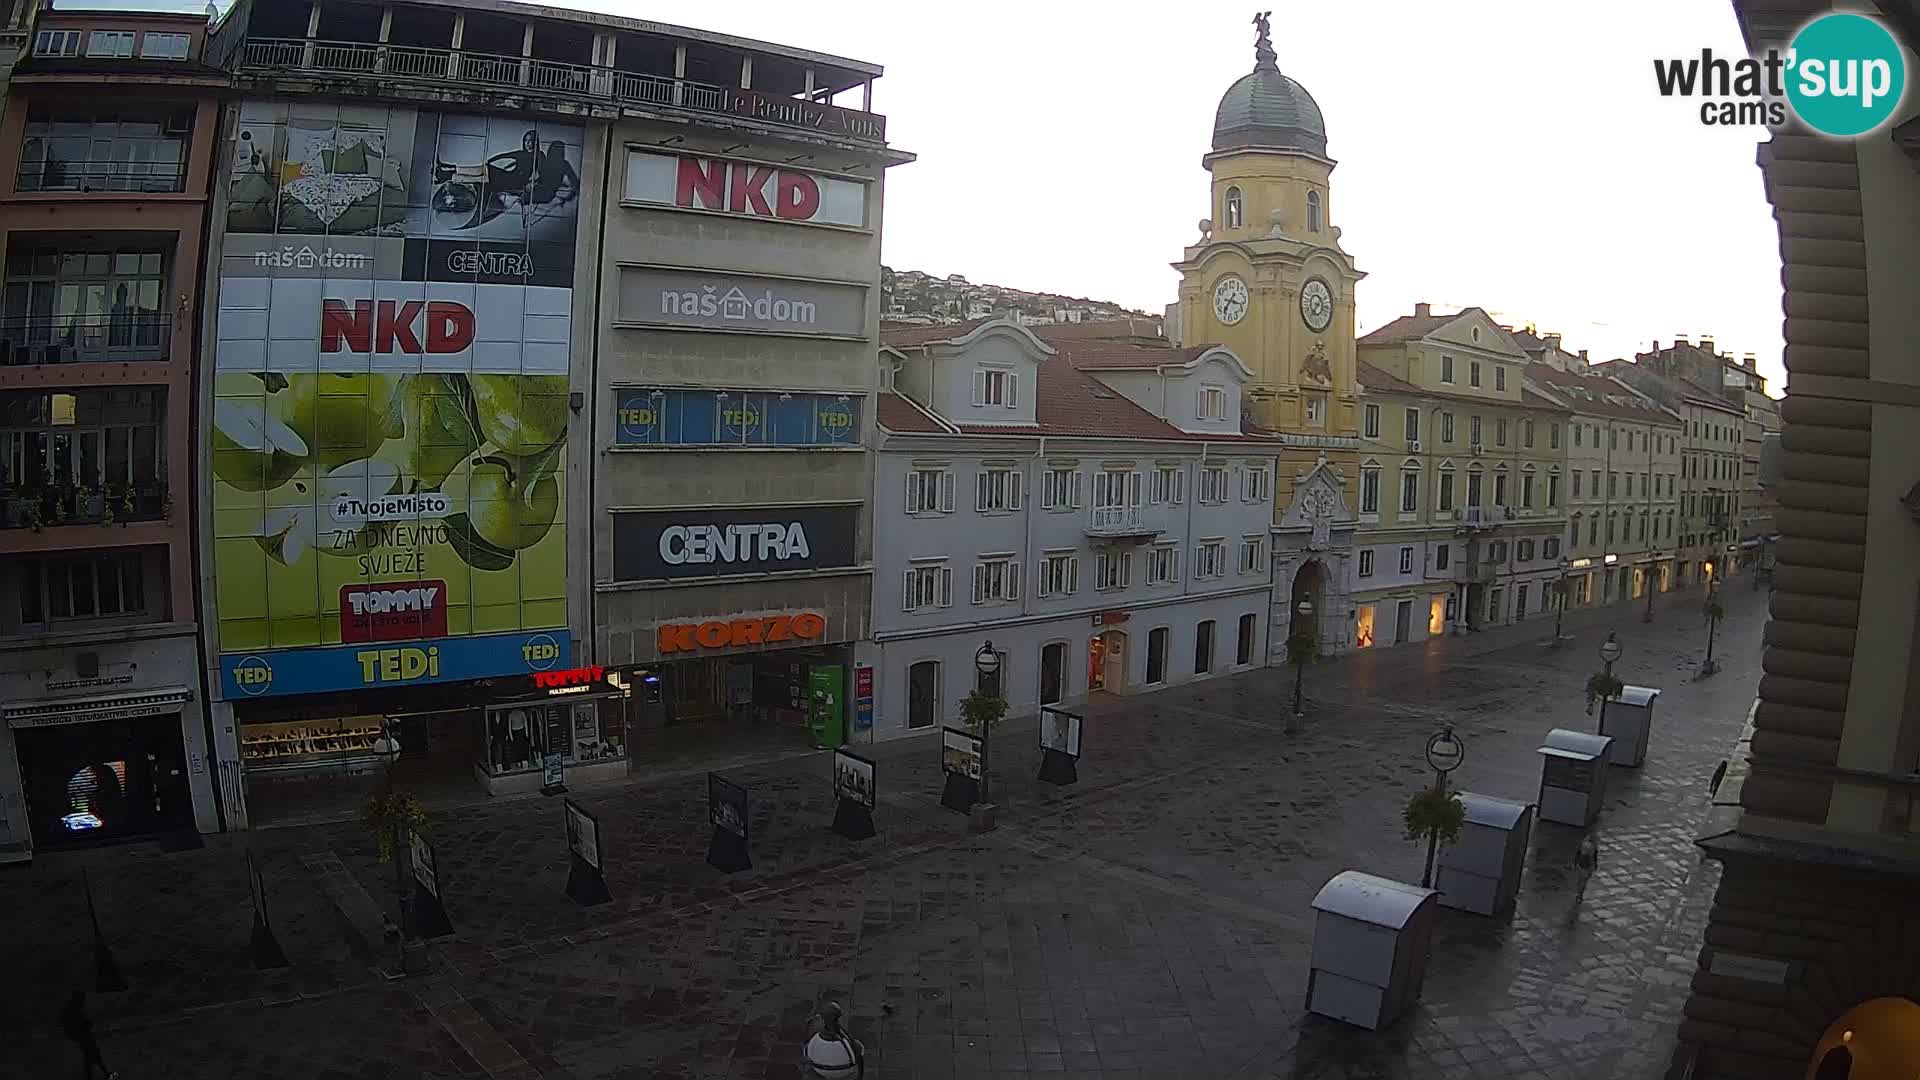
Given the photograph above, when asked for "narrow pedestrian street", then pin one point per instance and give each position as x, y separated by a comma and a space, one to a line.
1150, 921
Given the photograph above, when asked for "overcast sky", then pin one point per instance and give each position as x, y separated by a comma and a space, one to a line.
1509, 154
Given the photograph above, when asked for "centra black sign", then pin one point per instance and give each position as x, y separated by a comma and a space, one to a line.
651, 544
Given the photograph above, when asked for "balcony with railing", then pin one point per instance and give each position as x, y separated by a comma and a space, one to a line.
52, 504
101, 176
457, 68
1120, 523
69, 339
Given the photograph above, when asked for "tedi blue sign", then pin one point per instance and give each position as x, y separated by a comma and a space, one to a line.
278, 672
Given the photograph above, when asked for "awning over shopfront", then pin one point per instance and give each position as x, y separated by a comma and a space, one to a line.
48, 712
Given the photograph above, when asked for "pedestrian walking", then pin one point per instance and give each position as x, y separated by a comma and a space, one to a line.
74, 1021
832, 1053
1585, 860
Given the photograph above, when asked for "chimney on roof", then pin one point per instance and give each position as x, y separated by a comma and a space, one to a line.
1422, 310
1679, 342
1583, 356
1706, 343
1552, 340
1747, 362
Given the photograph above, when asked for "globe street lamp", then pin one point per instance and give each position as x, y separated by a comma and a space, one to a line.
1300, 644
986, 667
1609, 652
1707, 667
1445, 752
1560, 602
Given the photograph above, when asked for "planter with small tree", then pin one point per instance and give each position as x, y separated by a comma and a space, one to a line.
1434, 814
982, 712
1602, 686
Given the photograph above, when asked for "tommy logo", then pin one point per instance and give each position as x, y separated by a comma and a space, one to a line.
397, 611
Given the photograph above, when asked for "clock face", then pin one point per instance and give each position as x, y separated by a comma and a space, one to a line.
1316, 304
1230, 300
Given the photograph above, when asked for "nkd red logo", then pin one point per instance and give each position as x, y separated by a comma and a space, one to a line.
394, 611
740, 188
395, 326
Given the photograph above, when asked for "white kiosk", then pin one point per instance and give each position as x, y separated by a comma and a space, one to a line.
1629, 719
1573, 776
1481, 871
1370, 942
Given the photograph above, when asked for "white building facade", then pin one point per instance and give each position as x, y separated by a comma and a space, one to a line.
1103, 522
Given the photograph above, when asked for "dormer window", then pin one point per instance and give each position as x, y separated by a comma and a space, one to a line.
116, 44
1236, 210
1313, 211
1476, 333
1213, 402
996, 386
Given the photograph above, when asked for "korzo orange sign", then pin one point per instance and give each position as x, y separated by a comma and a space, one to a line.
722, 634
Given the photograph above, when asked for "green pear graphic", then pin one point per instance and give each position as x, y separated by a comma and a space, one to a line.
437, 415
521, 414
341, 417
252, 449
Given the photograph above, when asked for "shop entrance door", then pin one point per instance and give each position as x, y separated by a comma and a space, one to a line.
1053, 671
1402, 622
104, 781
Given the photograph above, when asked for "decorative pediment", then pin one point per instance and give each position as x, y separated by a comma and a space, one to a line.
1318, 506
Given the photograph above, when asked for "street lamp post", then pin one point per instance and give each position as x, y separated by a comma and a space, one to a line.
1302, 643
986, 665
1609, 652
387, 749
1648, 581
1559, 602
1707, 667
1445, 752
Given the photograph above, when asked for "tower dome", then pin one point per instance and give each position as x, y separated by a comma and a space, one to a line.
1265, 110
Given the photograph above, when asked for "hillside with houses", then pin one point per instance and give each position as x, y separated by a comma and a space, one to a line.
914, 296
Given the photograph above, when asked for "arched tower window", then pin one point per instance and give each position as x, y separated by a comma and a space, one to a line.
1313, 211
1236, 214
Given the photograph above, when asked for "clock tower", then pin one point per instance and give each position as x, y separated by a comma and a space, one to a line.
1269, 280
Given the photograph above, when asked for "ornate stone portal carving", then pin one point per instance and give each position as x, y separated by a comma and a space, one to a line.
1315, 366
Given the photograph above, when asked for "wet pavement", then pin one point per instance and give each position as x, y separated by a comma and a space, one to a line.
1150, 921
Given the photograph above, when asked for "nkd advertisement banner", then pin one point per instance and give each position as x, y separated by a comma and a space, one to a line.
747, 188
391, 397
279, 672
734, 418
709, 300
652, 544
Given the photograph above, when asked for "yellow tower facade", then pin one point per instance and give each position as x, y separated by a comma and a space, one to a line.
1269, 280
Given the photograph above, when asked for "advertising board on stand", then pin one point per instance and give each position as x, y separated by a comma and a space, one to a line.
391, 398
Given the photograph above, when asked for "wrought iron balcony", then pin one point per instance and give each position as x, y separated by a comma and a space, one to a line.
70, 339
458, 67
1480, 517
1119, 523
91, 176
49, 505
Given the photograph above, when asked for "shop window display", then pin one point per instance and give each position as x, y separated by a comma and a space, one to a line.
519, 736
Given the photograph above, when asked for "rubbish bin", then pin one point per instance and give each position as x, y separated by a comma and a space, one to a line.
1370, 941
1573, 776
1629, 719
1481, 871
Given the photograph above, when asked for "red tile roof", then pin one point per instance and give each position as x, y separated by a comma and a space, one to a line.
1138, 329
907, 335
1124, 354
896, 413
1407, 328
1374, 378
1575, 387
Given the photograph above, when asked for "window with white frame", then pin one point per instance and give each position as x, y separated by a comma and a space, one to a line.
1500, 488
1406, 560
1473, 373
1446, 427
1526, 491
1256, 483
117, 44
155, 46
1366, 562
1213, 484
1116, 488
928, 585
1169, 485
929, 490
1060, 488
1210, 559
1473, 489
1473, 430
1526, 434
1316, 409
57, 43
1112, 569
1446, 369
1370, 490
1523, 551
1413, 425
1442, 556
1313, 211
1253, 554
1553, 489
997, 489
1499, 378
1500, 432
996, 386
1372, 421
1059, 573
1446, 490
1213, 402
1550, 548
996, 579
1163, 564
1409, 491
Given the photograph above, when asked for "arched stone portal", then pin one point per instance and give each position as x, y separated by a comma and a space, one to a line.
1309, 584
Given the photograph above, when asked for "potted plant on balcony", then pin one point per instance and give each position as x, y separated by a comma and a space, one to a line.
87, 503
109, 503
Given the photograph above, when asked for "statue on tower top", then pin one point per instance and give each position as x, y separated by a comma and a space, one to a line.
1263, 54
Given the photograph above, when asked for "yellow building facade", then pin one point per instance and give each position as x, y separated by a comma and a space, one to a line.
1269, 280
1463, 497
